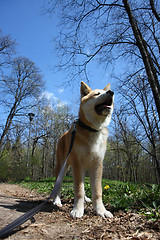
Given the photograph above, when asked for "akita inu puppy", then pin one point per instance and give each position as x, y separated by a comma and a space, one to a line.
88, 149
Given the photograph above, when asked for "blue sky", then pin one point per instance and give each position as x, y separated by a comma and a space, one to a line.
22, 19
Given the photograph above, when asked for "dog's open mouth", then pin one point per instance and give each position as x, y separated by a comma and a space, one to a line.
104, 106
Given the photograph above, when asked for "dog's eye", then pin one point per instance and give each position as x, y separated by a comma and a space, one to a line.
96, 94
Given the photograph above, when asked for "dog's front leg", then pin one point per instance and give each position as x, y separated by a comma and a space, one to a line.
95, 179
78, 209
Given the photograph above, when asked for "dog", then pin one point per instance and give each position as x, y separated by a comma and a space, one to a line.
88, 149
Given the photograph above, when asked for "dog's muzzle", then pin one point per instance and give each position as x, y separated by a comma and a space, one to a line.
106, 105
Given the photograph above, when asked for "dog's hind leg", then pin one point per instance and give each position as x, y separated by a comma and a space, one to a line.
60, 158
57, 198
87, 199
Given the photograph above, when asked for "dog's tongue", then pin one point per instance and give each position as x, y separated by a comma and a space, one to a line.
104, 106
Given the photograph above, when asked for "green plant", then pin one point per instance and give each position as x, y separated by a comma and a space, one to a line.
119, 195
152, 213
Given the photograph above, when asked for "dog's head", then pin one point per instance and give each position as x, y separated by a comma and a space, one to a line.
96, 105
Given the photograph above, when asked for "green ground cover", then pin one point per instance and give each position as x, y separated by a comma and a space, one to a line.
144, 198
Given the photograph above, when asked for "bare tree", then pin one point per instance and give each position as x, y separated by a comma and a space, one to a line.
18, 88
127, 157
154, 10
109, 30
124, 149
7, 50
147, 54
140, 105
50, 123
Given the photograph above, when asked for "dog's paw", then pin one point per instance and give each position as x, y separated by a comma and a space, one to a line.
57, 202
87, 199
77, 213
101, 211
105, 214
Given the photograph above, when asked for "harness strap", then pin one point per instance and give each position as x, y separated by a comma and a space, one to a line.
10, 227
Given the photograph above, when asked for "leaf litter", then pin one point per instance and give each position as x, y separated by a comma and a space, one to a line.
54, 223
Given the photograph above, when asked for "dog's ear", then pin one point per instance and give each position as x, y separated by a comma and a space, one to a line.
108, 87
85, 89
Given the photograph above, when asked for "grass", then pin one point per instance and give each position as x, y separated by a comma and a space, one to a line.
118, 195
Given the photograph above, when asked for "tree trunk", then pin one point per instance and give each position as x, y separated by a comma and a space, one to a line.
8, 123
146, 57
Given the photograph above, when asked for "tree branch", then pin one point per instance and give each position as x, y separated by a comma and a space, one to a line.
154, 10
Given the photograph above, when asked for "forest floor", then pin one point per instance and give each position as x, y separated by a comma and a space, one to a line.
54, 223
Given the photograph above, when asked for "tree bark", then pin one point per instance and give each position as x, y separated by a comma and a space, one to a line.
154, 10
8, 123
146, 57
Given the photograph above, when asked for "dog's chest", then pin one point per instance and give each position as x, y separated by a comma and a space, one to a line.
97, 147
94, 148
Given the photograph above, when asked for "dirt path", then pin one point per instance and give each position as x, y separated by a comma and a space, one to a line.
56, 224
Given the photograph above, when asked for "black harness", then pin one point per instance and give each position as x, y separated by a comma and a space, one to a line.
82, 124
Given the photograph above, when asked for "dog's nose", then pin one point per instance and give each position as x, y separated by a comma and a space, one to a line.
111, 93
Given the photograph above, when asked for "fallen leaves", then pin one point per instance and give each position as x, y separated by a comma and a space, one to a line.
56, 224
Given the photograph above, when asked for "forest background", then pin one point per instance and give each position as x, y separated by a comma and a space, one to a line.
122, 36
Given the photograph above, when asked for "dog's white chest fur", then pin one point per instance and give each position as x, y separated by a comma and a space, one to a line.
98, 145
94, 149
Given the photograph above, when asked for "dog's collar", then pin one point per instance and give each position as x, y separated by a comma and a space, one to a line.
82, 124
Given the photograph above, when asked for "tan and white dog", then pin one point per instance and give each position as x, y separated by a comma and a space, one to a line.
88, 149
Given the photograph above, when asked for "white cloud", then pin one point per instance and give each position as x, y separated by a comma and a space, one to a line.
61, 104
49, 96
61, 90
